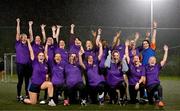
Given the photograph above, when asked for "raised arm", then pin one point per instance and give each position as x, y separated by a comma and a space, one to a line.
71, 39
147, 35
98, 36
108, 60
136, 37
18, 29
30, 30
72, 29
80, 60
46, 51
116, 39
94, 34
100, 51
153, 39
30, 49
81, 47
127, 51
58, 32
53, 28
165, 55
43, 32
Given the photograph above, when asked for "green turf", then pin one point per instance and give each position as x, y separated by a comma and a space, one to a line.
171, 89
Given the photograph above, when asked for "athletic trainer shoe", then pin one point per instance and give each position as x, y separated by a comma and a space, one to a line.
51, 103
83, 102
42, 102
101, 99
19, 98
66, 102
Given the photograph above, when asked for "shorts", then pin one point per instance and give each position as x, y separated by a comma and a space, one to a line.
34, 88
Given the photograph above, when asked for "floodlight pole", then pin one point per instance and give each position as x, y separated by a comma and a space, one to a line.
152, 16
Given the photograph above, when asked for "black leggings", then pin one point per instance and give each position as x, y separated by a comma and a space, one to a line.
133, 92
72, 92
112, 91
154, 91
94, 90
23, 71
58, 89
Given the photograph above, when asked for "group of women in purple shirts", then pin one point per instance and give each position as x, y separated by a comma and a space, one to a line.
87, 74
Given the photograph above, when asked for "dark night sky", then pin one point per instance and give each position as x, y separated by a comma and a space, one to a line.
122, 13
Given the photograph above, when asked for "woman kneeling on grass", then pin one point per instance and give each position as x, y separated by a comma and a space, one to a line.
39, 79
154, 89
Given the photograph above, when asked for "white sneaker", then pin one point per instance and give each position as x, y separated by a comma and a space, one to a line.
51, 103
42, 102
83, 102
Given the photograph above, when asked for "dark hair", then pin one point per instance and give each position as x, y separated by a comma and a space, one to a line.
146, 41
77, 38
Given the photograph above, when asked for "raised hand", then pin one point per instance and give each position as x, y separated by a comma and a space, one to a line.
53, 28
136, 35
148, 34
72, 25
99, 31
154, 24
43, 26
166, 48
59, 26
127, 43
30, 22
94, 33
18, 20
118, 34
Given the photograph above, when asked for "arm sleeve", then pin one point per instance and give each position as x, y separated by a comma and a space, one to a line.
108, 61
153, 46
125, 67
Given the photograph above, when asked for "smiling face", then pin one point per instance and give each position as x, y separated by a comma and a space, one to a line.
61, 44
57, 58
152, 61
146, 44
116, 56
132, 44
89, 45
136, 60
50, 40
23, 38
77, 41
38, 40
41, 57
72, 58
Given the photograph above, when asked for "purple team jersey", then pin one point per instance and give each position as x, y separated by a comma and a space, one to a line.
152, 74
58, 73
74, 49
72, 74
135, 73
114, 74
22, 53
94, 78
37, 49
39, 72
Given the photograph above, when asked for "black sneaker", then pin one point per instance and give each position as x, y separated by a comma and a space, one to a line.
19, 98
